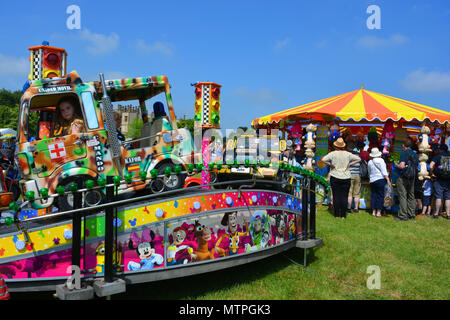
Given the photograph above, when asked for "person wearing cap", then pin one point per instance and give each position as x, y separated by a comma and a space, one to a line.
441, 184
340, 162
378, 178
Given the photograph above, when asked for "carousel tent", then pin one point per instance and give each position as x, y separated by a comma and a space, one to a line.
7, 131
358, 106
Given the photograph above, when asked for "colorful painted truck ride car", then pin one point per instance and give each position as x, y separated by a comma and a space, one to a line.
49, 161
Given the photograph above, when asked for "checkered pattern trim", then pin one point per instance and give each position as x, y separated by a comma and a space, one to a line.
37, 65
205, 104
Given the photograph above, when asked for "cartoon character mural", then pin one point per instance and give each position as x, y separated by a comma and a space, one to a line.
146, 242
145, 251
279, 234
291, 226
204, 250
100, 258
179, 251
259, 231
233, 235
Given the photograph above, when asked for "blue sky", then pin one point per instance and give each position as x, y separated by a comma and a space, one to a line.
267, 55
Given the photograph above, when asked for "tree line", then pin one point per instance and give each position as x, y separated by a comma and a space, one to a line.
9, 108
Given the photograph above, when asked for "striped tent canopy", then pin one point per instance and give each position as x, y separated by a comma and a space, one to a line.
357, 106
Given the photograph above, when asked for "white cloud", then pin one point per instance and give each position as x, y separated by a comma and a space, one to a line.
281, 44
374, 41
421, 81
164, 48
99, 44
14, 66
262, 95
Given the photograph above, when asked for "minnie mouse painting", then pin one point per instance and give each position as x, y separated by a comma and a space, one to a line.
145, 251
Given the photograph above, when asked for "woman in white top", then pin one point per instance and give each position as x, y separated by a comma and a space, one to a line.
340, 162
378, 176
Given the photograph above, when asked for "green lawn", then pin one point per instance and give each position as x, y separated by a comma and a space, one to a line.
412, 256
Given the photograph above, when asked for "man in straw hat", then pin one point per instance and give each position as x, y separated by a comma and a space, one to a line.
340, 162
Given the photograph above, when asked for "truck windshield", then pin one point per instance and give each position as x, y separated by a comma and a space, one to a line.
47, 119
89, 109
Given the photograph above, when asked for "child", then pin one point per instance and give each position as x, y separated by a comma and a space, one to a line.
76, 126
426, 206
67, 119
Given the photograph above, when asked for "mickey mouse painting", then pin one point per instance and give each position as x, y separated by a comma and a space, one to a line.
145, 251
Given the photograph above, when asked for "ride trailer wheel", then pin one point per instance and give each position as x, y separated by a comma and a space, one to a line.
172, 182
89, 198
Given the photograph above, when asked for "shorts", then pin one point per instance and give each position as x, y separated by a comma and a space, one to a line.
355, 187
426, 201
441, 190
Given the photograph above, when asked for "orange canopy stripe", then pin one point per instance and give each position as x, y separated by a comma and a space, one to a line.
375, 109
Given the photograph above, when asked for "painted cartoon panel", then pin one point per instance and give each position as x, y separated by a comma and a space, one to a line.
227, 234
145, 249
260, 231
201, 228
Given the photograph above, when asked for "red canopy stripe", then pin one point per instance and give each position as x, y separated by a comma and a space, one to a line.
374, 109
338, 105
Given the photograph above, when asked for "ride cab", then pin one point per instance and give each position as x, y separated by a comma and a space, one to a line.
52, 152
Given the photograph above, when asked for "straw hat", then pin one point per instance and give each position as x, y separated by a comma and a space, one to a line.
339, 143
375, 153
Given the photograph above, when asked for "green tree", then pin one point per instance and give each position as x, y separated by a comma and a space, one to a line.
135, 128
9, 108
188, 124
9, 111
10, 98
8, 117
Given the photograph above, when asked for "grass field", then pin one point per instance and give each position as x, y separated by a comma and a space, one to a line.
412, 256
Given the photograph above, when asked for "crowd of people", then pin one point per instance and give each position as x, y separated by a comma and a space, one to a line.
391, 184
415, 197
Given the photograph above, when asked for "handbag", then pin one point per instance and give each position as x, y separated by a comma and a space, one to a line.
388, 201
